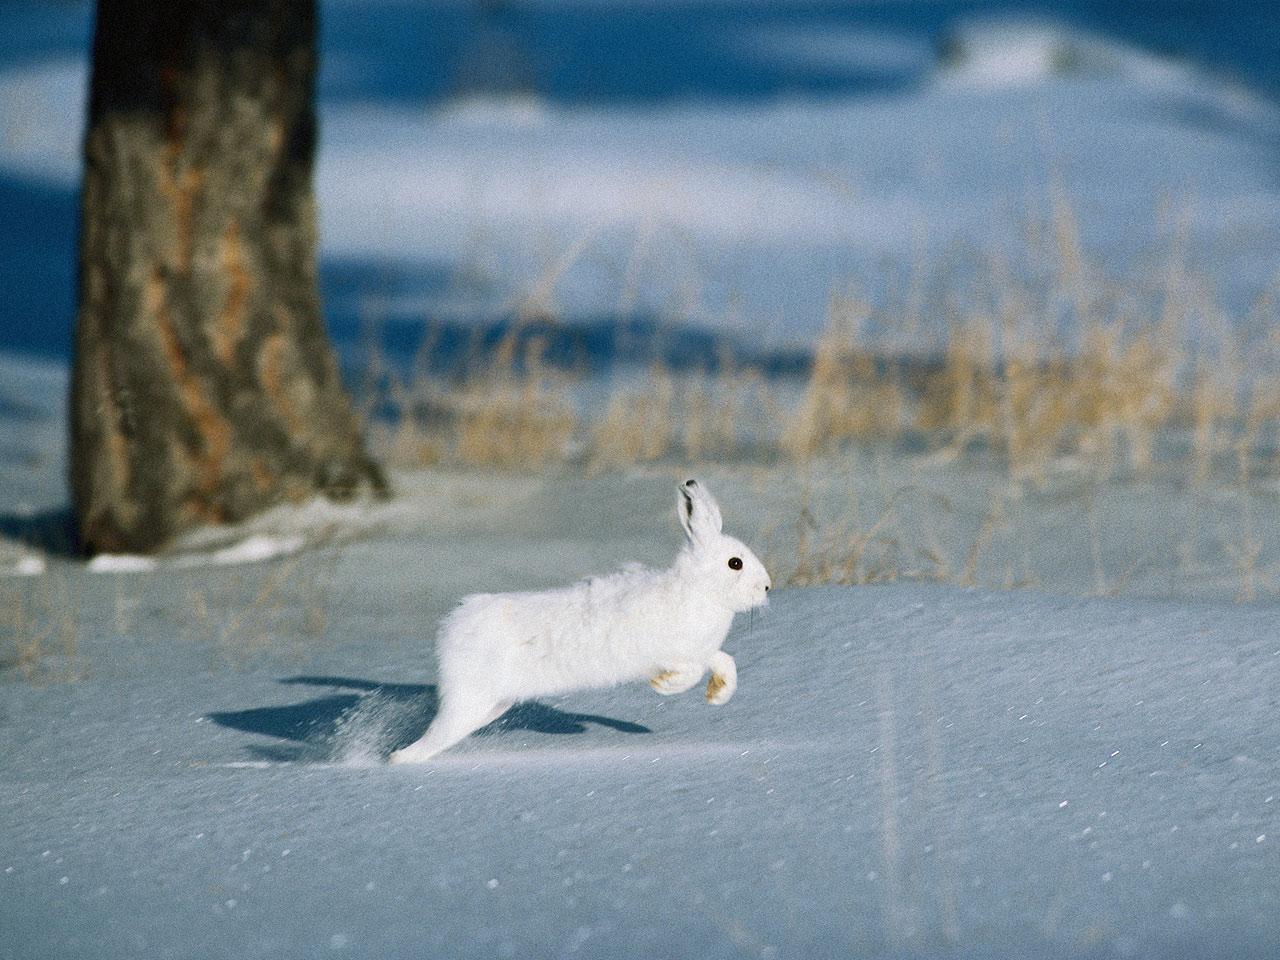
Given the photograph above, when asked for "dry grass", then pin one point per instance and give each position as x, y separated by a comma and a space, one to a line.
512, 411
1003, 376
279, 606
513, 416
848, 395
1042, 368
693, 418
864, 546
40, 624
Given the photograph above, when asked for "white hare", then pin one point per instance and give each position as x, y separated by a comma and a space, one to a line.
665, 626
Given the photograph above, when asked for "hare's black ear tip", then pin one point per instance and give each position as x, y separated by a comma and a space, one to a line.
691, 483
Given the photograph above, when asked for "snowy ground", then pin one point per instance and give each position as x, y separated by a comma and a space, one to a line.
911, 770
905, 771
190, 748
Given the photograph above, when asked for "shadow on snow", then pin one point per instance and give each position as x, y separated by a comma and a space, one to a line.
52, 531
378, 718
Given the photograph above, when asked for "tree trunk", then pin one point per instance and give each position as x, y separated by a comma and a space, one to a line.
204, 387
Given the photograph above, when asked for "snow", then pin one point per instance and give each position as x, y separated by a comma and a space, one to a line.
192, 747
29, 566
1018, 53
774, 206
254, 549
121, 563
905, 770
42, 119
911, 769
745, 213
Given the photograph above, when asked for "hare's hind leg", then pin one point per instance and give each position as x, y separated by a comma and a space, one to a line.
458, 717
498, 711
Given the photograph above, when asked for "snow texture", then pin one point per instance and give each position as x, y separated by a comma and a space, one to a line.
905, 771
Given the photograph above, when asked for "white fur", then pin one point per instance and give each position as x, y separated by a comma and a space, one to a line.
665, 626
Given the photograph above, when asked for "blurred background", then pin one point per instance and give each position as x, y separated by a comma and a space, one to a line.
865, 242
723, 166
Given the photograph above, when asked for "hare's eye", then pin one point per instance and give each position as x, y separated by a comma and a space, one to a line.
735, 563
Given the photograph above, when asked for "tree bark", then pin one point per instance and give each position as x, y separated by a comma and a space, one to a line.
204, 387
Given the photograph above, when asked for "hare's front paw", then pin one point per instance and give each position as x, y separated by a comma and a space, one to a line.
670, 682
724, 679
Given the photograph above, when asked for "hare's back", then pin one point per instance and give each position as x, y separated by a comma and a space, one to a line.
497, 624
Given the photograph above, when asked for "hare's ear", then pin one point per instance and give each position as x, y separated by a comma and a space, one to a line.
699, 513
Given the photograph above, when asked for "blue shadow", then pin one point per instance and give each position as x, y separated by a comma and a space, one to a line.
387, 715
